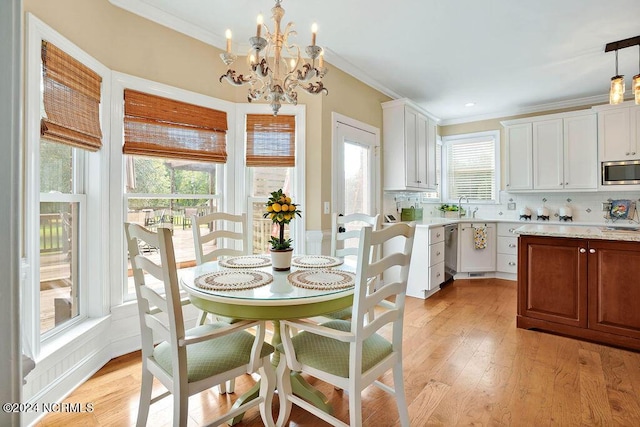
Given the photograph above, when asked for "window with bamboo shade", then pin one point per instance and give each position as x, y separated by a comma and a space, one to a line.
161, 127
271, 140
71, 100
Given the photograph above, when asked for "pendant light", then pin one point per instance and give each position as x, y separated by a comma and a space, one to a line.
616, 93
636, 81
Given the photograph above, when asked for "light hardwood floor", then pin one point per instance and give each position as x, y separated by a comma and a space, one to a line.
465, 363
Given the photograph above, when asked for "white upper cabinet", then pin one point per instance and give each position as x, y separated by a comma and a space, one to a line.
581, 152
553, 152
548, 154
409, 141
619, 131
518, 143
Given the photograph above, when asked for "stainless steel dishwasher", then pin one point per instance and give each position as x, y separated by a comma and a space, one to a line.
450, 251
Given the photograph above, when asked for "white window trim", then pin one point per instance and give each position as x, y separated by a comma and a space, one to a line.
469, 138
94, 294
241, 181
118, 206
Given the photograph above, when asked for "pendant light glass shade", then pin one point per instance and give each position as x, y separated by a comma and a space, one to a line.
616, 94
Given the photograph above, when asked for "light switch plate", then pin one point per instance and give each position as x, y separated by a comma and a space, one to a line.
327, 207
511, 206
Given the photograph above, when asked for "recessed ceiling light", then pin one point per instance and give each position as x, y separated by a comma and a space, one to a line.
469, 104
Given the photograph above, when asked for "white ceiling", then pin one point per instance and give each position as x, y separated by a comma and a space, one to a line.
506, 56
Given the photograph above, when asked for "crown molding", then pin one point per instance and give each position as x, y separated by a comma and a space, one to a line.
579, 102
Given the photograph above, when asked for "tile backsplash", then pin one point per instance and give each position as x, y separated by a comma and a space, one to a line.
585, 207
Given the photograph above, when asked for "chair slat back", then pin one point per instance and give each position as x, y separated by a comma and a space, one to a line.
339, 237
227, 231
373, 309
150, 302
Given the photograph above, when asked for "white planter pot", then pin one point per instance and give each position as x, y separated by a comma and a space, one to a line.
281, 259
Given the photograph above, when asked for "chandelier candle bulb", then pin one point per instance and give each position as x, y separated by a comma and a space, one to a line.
259, 21
321, 64
227, 34
314, 32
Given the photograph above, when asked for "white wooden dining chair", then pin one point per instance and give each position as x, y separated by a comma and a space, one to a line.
188, 361
345, 233
225, 230
352, 355
218, 235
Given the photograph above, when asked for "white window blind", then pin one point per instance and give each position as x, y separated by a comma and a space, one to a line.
471, 168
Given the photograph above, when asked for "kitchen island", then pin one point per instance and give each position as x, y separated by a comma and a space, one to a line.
582, 282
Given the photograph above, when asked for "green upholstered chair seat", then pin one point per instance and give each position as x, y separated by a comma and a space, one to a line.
213, 356
343, 314
331, 355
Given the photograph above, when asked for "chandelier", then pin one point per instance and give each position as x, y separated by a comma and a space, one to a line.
276, 68
616, 92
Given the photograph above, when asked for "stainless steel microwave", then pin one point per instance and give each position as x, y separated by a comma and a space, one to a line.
625, 172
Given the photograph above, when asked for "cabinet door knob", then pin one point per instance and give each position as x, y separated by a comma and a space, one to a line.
512, 263
511, 230
633, 153
507, 185
437, 234
438, 253
582, 250
626, 154
566, 183
560, 184
511, 245
592, 251
438, 275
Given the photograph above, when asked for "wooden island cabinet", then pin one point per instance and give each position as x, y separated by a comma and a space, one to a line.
583, 288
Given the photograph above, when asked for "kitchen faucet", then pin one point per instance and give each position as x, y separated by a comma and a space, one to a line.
460, 205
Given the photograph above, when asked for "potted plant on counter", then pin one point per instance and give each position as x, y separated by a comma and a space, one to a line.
281, 211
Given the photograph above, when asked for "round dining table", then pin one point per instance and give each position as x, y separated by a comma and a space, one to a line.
274, 296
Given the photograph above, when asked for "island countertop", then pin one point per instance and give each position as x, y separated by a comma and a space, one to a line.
606, 232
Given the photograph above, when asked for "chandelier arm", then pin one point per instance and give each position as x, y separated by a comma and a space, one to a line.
236, 79
315, 88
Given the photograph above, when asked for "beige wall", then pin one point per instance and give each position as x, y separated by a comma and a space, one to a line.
133, 45
494, 124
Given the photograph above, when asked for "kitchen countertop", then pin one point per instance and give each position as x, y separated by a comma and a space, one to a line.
580, 230
602, 232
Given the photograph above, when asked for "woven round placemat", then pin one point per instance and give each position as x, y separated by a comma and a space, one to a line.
322, 279
246, 261
316, 261
233, 280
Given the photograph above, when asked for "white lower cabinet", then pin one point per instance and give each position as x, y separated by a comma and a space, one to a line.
507, 248
472, 259
426, 272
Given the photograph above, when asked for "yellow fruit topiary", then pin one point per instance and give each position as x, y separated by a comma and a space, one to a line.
276, 207
285, 208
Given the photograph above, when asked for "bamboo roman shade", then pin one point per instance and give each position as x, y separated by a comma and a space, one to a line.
71, 98
161, 127
271, 140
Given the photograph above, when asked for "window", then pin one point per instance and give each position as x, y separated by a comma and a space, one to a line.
65, 166
166, 181
470, 166
272, 152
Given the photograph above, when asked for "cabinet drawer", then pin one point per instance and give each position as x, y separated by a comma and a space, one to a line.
507, 245
436, 235
508, 263
436, 253
436, 275
507, 228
